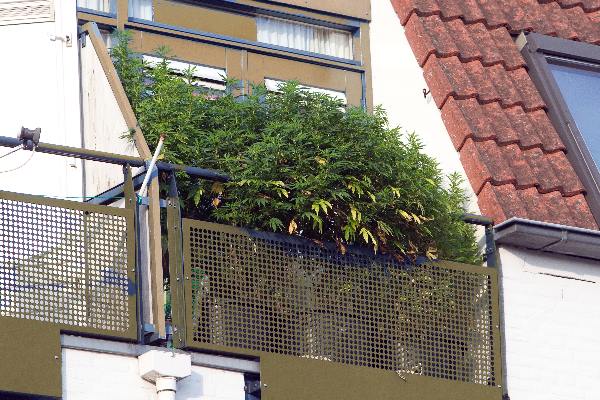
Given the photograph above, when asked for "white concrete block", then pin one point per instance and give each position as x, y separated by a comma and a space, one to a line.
156, 363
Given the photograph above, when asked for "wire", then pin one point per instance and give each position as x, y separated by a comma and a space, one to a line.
12, 151
22, 165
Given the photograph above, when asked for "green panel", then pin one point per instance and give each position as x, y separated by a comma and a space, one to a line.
309, 312
64, 266
299, 378
68, 264
30, 360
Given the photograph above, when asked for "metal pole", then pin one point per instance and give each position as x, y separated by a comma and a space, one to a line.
112, 158
142, 192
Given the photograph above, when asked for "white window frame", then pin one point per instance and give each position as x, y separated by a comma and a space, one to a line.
274, 85
131, 9
208, 77
13, 12
262, 37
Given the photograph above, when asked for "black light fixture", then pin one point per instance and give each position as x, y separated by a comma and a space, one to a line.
30, 138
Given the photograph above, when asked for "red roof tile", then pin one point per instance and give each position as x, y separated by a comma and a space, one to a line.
494, 114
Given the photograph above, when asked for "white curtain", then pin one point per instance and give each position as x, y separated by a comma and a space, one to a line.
305, 37
108, 6
141, 9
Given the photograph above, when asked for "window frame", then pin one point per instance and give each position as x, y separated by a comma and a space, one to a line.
206, 74
273, 85
536, 50
350, 33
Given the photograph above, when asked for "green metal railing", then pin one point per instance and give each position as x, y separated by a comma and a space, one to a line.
423, 331
65, 266
68, 264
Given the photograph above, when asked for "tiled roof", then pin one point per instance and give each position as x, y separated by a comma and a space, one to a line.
495, 116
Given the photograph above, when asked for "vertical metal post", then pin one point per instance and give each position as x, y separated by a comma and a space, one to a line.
131, 204
176, 273
86, 263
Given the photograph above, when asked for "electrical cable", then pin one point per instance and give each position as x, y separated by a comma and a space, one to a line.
22, 165
12, 151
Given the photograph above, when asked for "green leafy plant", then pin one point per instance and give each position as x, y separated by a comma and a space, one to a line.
301, 163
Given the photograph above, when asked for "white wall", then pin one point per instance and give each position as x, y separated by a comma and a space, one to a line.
552, 320
39, 87
103, 123
398, 85
99, 376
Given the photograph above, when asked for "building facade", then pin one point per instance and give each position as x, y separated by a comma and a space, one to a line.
467, 77
470, 78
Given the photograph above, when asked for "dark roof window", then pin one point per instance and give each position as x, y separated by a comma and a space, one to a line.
567, 73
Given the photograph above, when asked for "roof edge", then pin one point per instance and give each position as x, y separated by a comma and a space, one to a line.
549, 237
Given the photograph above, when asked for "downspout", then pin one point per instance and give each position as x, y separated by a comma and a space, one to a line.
164, 369
166, 387
492, 260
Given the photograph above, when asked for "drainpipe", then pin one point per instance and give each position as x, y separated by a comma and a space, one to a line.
490, 244
166, 387
164, 369
493, 260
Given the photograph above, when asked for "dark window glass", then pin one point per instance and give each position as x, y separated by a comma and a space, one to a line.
579, 84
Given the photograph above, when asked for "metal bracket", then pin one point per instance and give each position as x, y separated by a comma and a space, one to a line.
150, 334
252, 387
145, 201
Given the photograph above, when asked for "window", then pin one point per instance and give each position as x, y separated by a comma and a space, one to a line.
26, 11
579, 84
567, 73
106, 6
206, 77
107, 38
305, 37
274, 84
141, 9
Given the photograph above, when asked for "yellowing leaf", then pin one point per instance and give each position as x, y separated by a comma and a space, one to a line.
293, 226
320, 160
405, 215
216, 201
217, 187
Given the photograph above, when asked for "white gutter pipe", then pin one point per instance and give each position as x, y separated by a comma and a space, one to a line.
166, 387
144, 187
164, 369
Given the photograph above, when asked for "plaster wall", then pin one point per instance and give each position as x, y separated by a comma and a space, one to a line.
90, 375
104, 126
39, 87
398, 85
552, 321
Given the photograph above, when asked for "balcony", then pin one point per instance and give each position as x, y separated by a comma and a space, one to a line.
322, 324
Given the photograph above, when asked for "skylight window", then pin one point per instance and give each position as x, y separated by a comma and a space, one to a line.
567, 74
305, 37
579, 85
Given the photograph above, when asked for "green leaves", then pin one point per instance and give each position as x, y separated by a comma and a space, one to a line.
321, 205
300, 164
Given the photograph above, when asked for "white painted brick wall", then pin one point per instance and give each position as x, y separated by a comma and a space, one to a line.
98, 376
552, 326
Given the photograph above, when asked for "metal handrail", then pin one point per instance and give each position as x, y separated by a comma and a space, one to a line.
113, 158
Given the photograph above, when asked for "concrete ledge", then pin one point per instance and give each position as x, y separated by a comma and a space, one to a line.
552, 238
135, 350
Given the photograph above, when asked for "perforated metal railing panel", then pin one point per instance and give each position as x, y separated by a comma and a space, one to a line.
276, 294
67, 263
